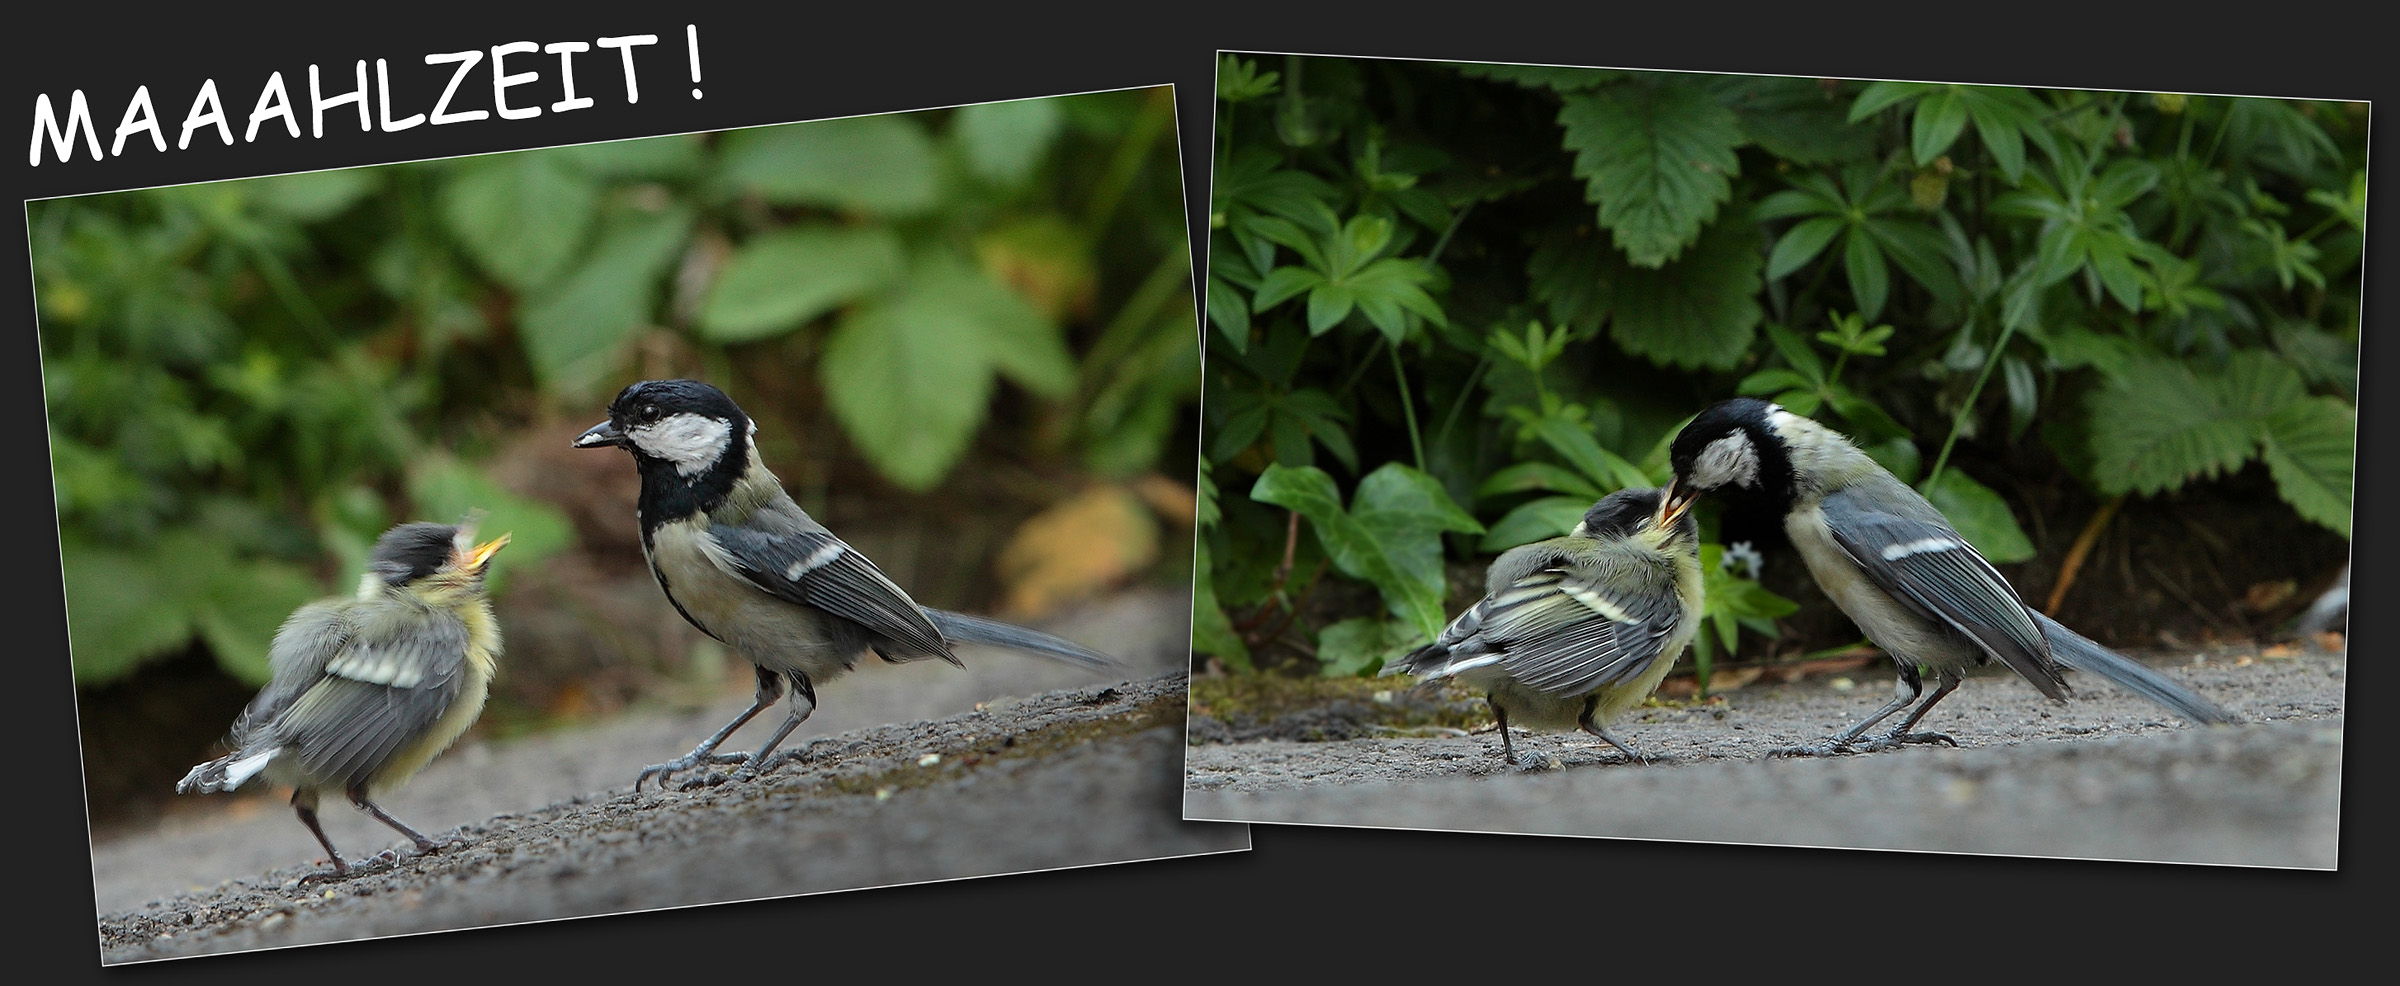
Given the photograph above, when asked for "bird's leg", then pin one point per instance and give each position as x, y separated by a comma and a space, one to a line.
358, 796
1508, 751
1909, 688
304, 802
1950, 680
1591, 705
802, 693
770, 688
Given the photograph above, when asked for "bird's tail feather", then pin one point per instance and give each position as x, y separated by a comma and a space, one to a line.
961, 628
224, 773
2079, 653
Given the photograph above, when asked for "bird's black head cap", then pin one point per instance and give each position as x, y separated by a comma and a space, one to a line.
412, 551
690, 441
1732, 449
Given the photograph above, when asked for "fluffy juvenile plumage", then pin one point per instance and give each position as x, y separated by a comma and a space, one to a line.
1575, 630
747, 566
1891, 561
366, 690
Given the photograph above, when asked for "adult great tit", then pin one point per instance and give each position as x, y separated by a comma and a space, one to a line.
747, 566
1575, 630
1891, 562
365, 690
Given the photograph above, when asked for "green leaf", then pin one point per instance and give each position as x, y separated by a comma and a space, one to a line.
675, 156
1980, 516
2309, 448
574, 331
1391, 538
1229, 313
1212, 632
1536, 520
247, 603
446, 490
1801, 244
127, 606
1361, 645
1005, 141
876, 164
1941, 116
2158, 425
523, 217
313, 195
1658, 160
779, 281
1560, 78
1870, 280
1702, 312
1525, 477
909, 372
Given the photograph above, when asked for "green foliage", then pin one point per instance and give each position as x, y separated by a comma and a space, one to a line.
249, 380
1571, 262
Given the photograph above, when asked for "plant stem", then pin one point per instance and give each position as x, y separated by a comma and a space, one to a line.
1958, 420
1408, 408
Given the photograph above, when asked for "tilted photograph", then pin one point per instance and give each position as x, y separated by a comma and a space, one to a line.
1806, 461
604, 528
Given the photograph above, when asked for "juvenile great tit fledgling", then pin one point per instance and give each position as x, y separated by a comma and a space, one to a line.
1575, 630
1891, 561
365, 690
747, 566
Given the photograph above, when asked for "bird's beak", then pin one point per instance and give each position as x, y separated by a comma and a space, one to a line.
603, 434
474, 561
1672, 506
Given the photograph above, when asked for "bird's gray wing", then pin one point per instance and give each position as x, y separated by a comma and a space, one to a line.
809, 566
1924, 564
396, 673
306, 641
1558, 632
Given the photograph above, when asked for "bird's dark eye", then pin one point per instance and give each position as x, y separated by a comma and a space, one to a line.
649, 412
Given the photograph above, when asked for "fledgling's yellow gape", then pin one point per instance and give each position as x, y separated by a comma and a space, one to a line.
367, 689
1576, 630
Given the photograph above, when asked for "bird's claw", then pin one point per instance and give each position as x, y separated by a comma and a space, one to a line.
664, 771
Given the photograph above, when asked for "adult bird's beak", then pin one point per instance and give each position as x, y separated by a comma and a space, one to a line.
1672, 505
473, 561
603, 434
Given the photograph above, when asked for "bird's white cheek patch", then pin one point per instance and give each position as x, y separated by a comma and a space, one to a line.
690, 441
1728, 461
1920, 546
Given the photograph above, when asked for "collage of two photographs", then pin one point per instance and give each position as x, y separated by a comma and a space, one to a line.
1540, 450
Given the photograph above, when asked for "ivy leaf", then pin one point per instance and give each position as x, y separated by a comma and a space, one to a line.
1390, 538
1657, 159
1979, 515
779, 281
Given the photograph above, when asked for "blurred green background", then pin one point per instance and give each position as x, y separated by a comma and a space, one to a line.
2113, 335
968, 329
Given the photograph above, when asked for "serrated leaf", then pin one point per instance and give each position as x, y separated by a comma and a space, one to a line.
523, 217
1702, 311
878, 164
2156, 425
573, 330
2310, 449
1980, 516
1657, 159
778, 282
1005, 141
127, 606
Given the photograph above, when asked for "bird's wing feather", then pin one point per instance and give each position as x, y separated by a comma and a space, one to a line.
1561, 633
393, 676
1931, 569
813, 568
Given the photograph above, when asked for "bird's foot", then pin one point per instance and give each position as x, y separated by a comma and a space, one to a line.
663, 771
